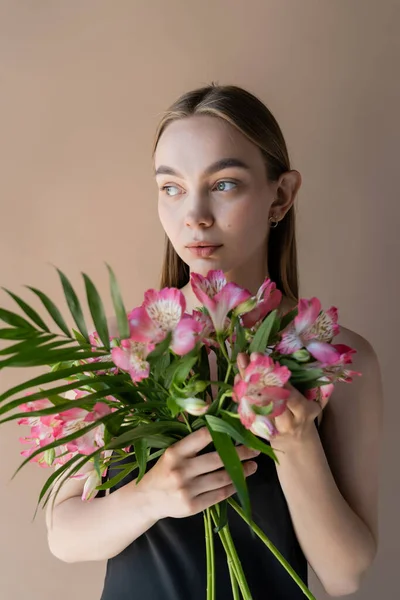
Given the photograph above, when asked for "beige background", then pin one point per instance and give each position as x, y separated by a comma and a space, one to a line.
82, 85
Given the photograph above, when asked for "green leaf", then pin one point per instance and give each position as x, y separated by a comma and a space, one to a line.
232, 463
74, 305
306, 375
11, 333
119, 477
63, 374
288, 318
80, 339
53, 477
161, 365
261, 338
49, 358
29, 311
180, 368
222, 516
244, 436
52, 310
120, 312
160, 348
141, 453
30, 344
86, 402
240, 341
173, 406
145, 431
97, 311
15, 320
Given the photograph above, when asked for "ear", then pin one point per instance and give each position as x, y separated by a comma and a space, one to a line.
286, 191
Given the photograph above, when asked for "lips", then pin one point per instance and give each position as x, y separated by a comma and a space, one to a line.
203, 245
202, 250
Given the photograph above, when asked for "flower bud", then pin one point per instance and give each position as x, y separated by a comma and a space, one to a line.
194, 406
49, 456
301, 355
195, 387
245, 307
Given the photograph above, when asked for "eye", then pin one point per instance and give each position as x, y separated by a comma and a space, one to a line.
223, 186
170, 190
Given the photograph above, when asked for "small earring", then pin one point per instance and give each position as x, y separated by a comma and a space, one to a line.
274, 223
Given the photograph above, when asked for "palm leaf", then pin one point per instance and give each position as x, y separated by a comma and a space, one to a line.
31, 343
144, 431
52, 310
74, 305
97, 311
29, 311
120, 312
14, 333
59, 375
15, 320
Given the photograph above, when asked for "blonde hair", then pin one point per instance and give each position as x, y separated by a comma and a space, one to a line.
253, 119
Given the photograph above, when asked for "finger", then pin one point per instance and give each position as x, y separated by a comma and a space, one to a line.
285, 422
208, 499
219, 479
206, 463
191, 444
242, 362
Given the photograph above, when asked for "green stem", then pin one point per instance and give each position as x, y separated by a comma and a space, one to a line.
209, 555
234, 583
232, 558
186, 421
274, 550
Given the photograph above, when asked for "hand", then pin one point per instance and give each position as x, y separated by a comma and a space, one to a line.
182, 484
296, 423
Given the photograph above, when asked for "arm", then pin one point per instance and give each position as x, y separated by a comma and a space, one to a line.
331, 484
179, 485
98, 529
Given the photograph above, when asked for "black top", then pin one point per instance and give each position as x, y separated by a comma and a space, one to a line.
168, 561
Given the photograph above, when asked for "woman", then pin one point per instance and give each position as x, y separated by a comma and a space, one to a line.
226, 195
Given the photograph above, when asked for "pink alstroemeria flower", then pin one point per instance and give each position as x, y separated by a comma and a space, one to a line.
75, 419
312, 329
163, 312
92, 478
44, 431
207, 330
131, 357
333, 372
268, 298
218, 296
261, 387
96, 343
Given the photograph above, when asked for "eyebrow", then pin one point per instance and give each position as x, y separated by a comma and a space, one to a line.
219, 165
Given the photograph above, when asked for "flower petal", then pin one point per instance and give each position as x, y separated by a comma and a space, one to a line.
185, 335
307, 314
263, 427
323, 352
247, 416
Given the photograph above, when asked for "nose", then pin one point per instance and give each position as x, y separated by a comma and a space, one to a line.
199, 212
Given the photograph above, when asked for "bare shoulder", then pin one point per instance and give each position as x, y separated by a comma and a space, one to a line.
366, 388
352, 428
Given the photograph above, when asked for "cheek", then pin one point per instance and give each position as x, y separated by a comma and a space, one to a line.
246, 218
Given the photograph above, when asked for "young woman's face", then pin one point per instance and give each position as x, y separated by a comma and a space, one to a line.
213, 189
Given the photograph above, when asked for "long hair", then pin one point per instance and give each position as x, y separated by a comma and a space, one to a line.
253, 119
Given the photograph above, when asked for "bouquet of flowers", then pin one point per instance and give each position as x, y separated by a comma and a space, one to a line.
106, 398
